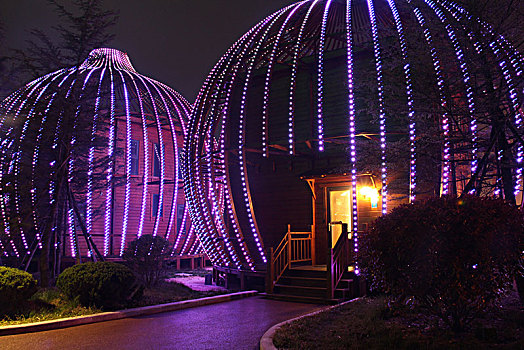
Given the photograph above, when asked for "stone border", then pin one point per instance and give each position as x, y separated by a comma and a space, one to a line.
116, 315
266, 342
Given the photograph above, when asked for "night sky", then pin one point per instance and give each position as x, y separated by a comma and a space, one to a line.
174, 41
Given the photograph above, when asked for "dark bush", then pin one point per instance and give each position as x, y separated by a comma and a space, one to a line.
145, 256
452, 256
16, 287
105, 284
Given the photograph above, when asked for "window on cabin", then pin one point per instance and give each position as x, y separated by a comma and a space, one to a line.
180, 175
135, 149
156, 160
155, 206
179, 217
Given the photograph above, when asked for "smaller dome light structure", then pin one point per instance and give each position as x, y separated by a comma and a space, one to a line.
90, 161
310, 106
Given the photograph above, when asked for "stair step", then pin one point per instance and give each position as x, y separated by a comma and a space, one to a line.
301, 299
302, 281
318, 292
305, 273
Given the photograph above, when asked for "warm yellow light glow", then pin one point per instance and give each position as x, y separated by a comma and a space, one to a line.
370, 193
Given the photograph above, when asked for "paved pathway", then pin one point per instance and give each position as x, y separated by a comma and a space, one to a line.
234, 325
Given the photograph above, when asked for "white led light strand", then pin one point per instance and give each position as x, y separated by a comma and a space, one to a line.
352, 131
382, 114
294, 70
320, 78
411, 109
496, 48
443, 101
109, 176
127, 193
268, 81
241, 140
466, 79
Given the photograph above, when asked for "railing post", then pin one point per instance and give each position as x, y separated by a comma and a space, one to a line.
329, 264
312, 245
329, 268
289, 257
270, 271
346, 244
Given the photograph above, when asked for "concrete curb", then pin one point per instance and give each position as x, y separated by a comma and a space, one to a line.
116, 315
266, 342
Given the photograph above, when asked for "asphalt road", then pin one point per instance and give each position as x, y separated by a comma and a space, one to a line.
237, 324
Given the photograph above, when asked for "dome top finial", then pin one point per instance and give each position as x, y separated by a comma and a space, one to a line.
108, 57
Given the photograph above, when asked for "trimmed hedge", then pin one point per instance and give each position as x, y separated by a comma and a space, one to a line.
104, 284
453, 256
16, 287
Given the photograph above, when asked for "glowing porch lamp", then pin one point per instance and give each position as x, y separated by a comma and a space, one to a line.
370, 193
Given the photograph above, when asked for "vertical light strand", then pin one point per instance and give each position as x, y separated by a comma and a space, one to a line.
228, 86
192, 171
496, 47
267, 82
410, 102
6, 143
294, 71
71, 161
352, 130
91, 157
169, 118
54, 164
465, 78
127, 193
18, 160
444, 123
35, 162
515, 57
320, 78
161, 152
241, 140
382, 114
181, 230
145, 177
109, 176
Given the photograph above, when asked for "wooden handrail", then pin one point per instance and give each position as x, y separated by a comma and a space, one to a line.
294, 247
339, 261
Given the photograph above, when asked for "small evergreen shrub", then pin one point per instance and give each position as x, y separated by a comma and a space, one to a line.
104, 284
16, 287
145, 256
452, 256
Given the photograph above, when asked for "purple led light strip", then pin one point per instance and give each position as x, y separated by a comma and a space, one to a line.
320, 80
382, 116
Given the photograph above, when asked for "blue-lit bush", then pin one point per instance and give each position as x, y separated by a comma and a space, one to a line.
452, 256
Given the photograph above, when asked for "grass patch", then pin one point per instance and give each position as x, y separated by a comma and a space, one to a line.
170, 292
48, 304
370, 324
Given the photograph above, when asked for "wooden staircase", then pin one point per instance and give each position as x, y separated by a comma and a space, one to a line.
308, 284
291, 275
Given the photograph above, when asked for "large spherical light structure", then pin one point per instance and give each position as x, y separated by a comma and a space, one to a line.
91, 159
331, 88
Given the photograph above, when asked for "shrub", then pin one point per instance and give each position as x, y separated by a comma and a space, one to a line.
16, 287
145, 256
105, 284
452, 256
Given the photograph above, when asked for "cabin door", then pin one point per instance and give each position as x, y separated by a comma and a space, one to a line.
338, 211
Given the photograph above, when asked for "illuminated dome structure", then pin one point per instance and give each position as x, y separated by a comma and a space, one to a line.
335, 111
90, 160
